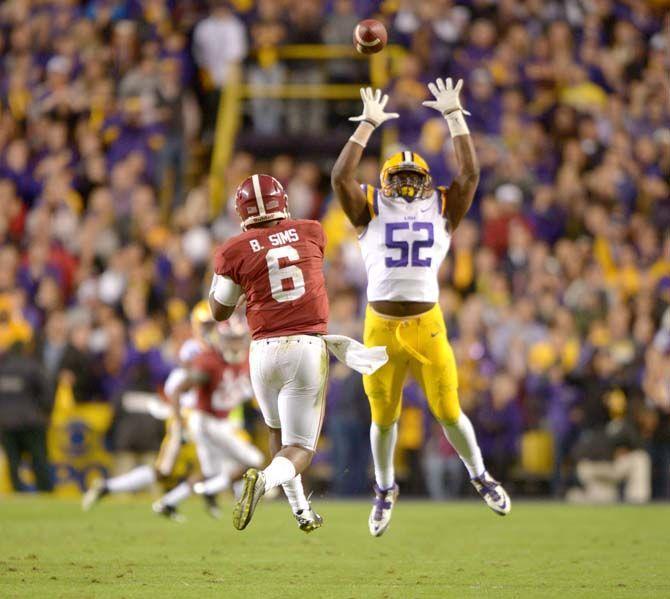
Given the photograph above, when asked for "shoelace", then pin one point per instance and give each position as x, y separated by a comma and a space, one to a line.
381, 503
488, 488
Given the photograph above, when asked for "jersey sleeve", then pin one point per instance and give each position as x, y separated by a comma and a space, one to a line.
188, 351
226, 261
442, 197
174, 379
224, 290
320, 235
371, 199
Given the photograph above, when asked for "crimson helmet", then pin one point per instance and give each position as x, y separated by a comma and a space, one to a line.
260, 198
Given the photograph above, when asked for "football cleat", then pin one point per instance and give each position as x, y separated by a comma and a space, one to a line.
95, 493
382, 507
308, 520
254, 489
212, 506
492, 493
167, 511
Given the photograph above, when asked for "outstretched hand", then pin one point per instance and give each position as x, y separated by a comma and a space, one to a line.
446, 96
373, 108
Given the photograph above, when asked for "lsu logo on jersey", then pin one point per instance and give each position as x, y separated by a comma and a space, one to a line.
404, 245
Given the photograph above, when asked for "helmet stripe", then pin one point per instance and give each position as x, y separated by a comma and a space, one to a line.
259, 195
407, 156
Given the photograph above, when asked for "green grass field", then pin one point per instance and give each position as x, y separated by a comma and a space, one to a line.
48, 548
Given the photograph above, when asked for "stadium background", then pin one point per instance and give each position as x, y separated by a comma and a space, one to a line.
125, 126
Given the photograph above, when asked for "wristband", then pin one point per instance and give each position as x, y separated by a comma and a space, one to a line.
362, 133
456, 122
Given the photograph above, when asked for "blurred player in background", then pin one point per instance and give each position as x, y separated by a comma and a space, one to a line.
173, 448
277, 262
405, 230
219, 377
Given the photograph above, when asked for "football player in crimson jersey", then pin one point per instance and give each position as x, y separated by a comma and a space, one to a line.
405, 230
219, 377
277, 263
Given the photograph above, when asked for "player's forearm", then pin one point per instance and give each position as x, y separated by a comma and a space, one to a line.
219, 311
347, 162
343, 177
468, 166
462, 190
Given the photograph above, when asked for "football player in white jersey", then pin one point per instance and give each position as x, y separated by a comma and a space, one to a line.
405, 229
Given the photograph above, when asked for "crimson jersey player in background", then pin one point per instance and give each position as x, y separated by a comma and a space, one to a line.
277, 263
219, 376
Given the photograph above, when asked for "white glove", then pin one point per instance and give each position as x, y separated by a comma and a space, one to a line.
446, 96
373, 108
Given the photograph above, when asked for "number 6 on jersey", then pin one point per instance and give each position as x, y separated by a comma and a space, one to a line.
282, 291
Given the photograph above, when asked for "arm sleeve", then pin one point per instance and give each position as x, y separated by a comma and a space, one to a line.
224, 290
176, 377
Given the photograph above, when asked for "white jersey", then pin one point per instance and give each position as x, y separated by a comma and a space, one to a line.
403, 247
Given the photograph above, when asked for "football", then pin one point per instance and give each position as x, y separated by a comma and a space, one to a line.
370, 36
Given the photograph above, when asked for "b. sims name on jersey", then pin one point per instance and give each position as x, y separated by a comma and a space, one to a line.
281, 238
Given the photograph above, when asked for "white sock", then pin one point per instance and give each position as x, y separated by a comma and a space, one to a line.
383, 441
280, 471
296, 494
174, 497
213, 485
138, 478
462, 437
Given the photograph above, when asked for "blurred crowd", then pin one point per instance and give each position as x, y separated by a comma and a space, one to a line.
557, 287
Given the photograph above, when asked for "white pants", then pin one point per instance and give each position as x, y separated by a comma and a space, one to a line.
289, 377
218, 446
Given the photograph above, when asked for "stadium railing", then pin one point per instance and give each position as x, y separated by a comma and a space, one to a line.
382, 67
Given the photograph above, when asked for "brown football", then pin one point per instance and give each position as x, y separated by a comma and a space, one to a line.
370, 36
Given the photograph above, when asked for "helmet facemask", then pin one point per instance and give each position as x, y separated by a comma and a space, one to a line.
408, 184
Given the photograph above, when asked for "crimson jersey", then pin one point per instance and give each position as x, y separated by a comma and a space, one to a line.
280, 270
224, 385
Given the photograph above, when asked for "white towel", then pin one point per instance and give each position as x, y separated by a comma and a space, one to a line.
355, 355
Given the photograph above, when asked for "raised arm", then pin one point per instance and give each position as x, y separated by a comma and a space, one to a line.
462, 190
343, 178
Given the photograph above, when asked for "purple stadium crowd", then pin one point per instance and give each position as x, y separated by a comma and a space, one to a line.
557, 288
